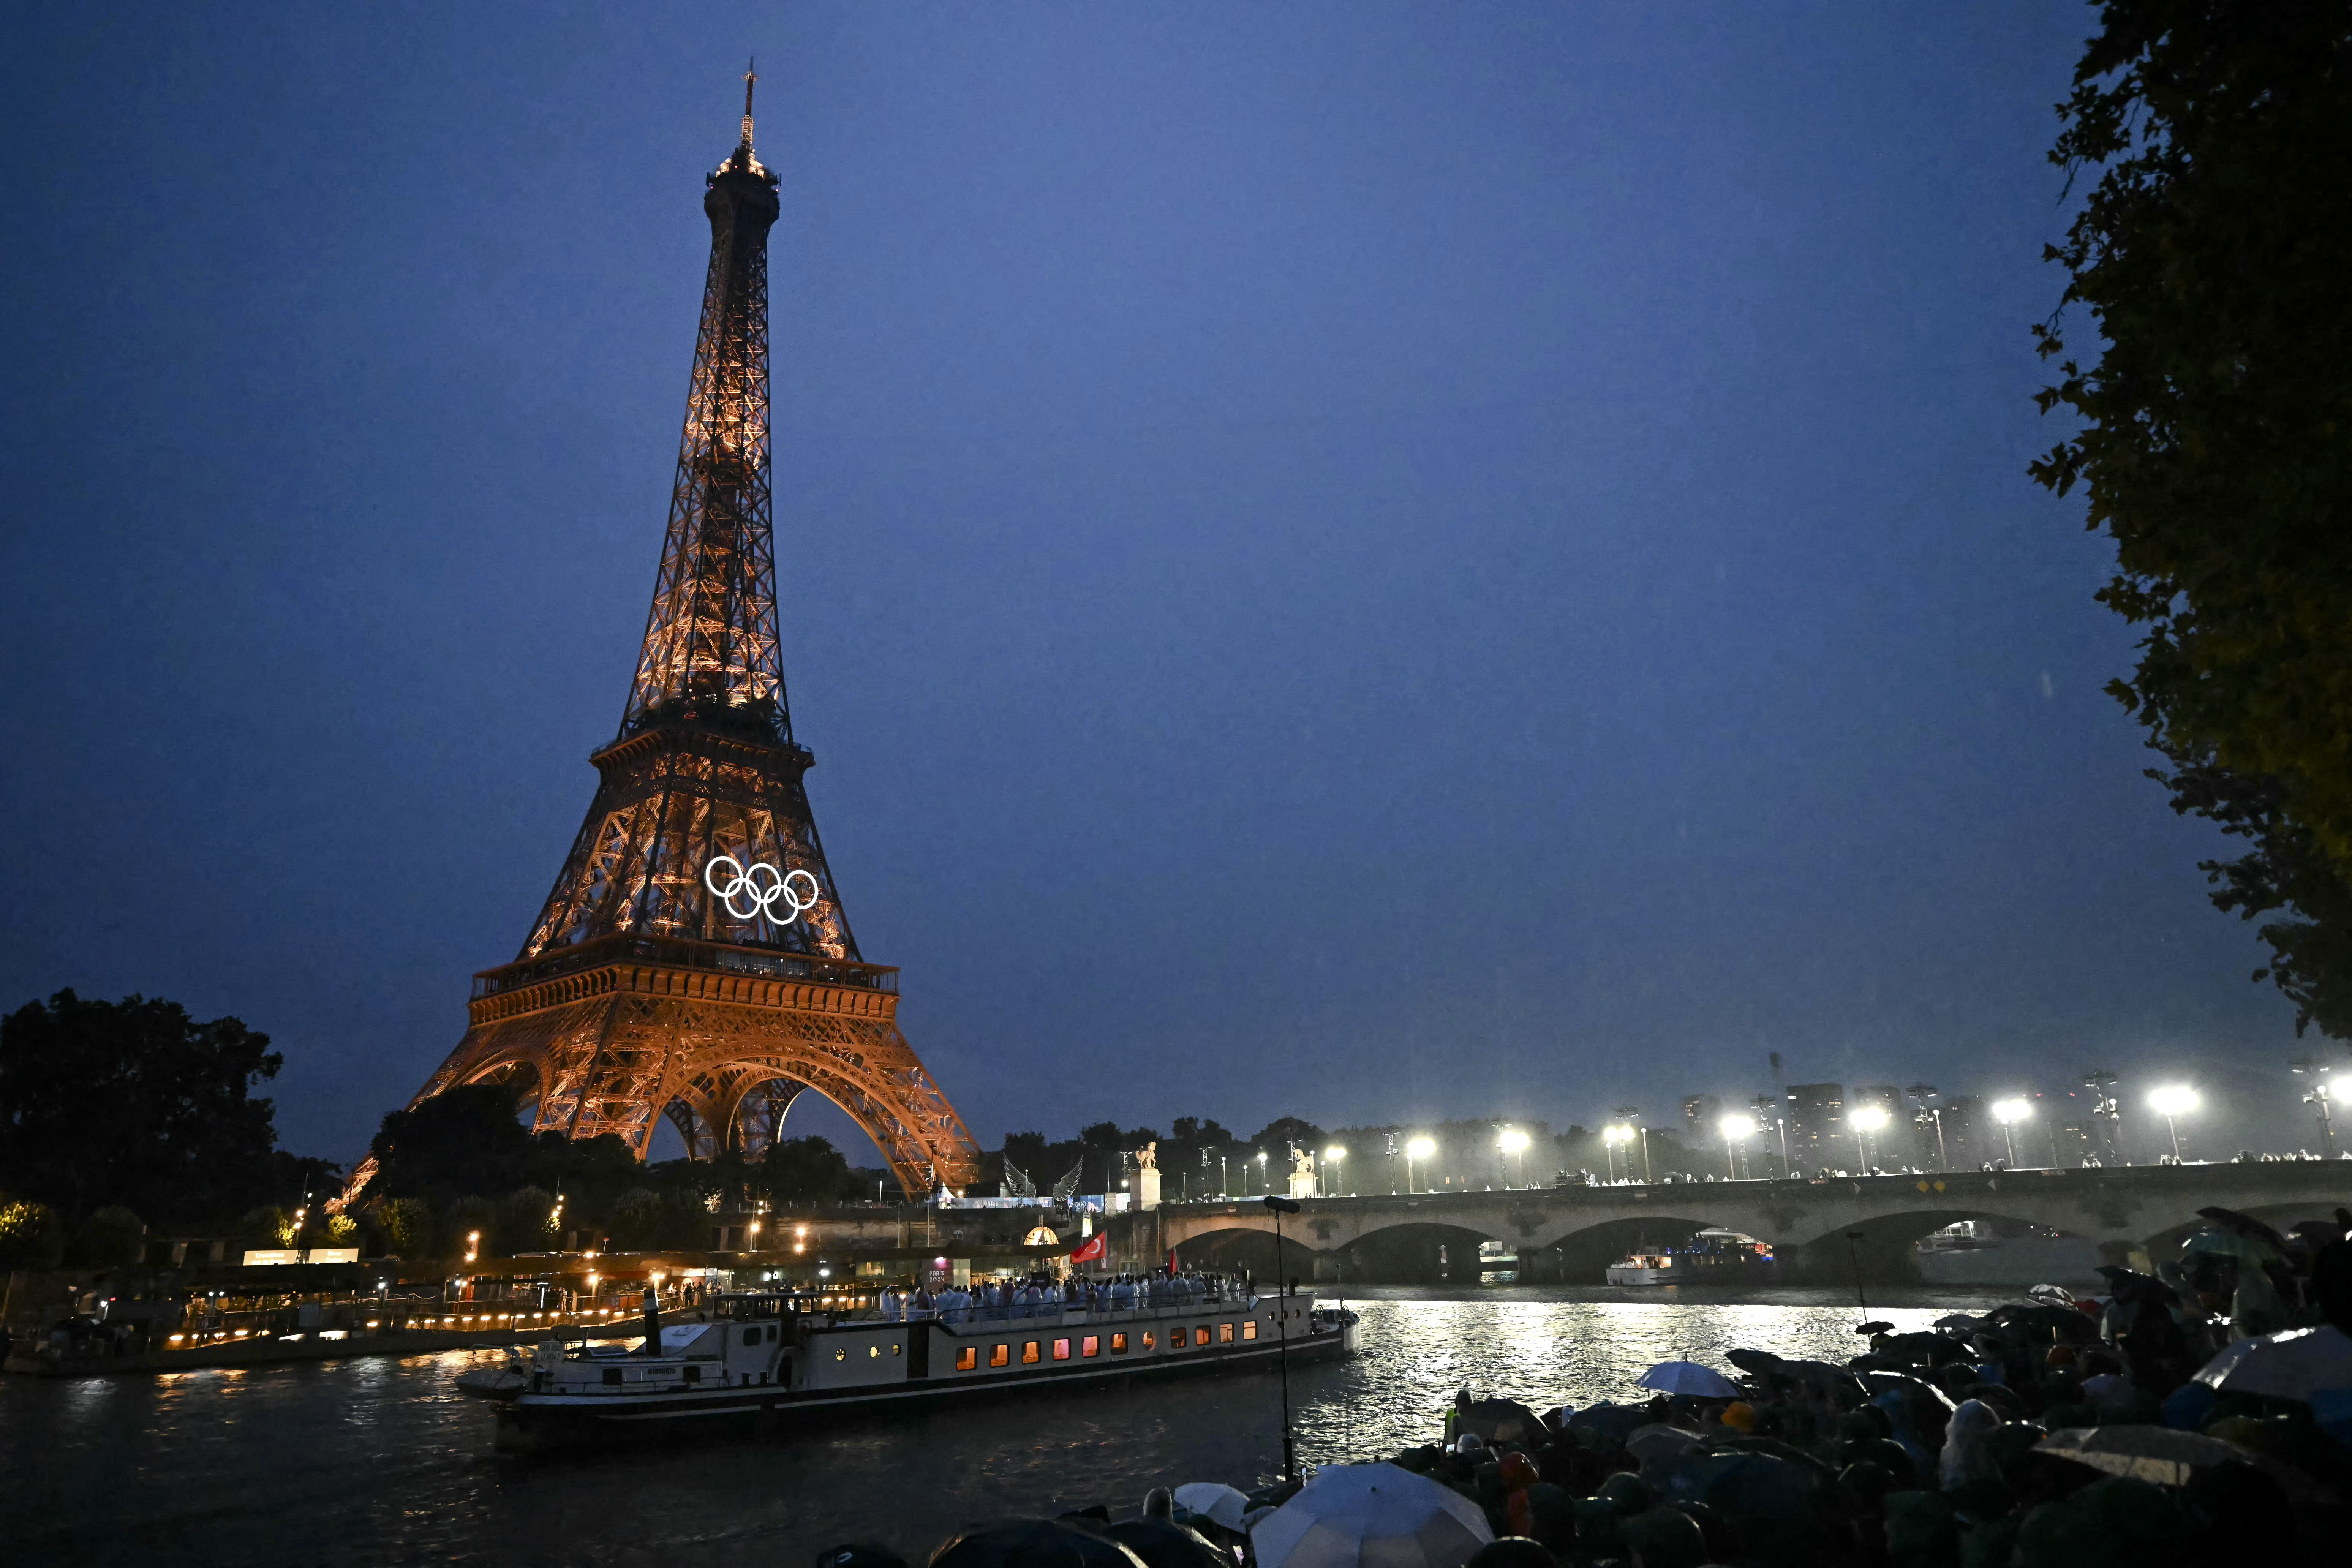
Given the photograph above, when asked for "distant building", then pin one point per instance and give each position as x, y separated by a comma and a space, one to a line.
1963, 1119
1892, 1145
1817, 1125
1701, 1112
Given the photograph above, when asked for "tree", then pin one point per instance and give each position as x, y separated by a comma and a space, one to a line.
134, 1103
110, 1239
463, 1140
802, 1170
31, 1236
2215, 444
1276, 1136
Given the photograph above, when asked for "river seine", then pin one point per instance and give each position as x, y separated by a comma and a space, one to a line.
382, 1461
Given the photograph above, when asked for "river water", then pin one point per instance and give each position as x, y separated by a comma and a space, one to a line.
380, 1461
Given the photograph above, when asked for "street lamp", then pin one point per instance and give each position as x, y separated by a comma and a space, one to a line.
1262, 1187
1616, 1132
1866, 1118
1631, 1116
2320, 1095
1418, 1149
473, 1244
1923, 1093
1735, 1127
1513, 1142
2008, 1113
1336, 1154
2174, 1099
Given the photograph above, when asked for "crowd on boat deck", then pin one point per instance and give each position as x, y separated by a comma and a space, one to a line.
2198, 1416
1044, 1295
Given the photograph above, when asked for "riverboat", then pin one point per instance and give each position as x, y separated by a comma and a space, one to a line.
1713, 1257
772, 1355
2005, 1252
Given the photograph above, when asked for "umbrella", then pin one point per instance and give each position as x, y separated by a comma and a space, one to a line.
1689, 1377
1873, 1328
1215, 1501
2292, 1365
2245, 1225
1959, 1321
1746, 1485
1499, 1420
1659, 1443
1378, 1514
1031, 1544
2251, 1249
2168, 1458
1878, 1382
1163, 1544
1764, 1363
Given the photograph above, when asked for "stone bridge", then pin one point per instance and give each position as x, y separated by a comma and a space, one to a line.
1570, 1233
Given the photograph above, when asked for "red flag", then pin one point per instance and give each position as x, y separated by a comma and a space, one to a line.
1093, 1251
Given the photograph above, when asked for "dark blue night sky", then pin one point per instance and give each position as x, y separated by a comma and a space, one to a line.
1364, 560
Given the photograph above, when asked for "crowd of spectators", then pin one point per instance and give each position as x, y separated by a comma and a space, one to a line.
2055, 1432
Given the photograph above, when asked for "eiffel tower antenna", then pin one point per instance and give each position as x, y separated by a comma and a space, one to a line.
750, 75
693, 961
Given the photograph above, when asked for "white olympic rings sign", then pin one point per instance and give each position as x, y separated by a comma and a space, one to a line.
762, 886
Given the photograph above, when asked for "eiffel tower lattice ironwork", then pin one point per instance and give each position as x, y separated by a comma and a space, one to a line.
693, 960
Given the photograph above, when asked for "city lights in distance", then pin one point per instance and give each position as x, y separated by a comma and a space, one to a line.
2173, 1099
2011, 1110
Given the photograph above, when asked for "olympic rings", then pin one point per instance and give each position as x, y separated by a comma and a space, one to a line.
745, 884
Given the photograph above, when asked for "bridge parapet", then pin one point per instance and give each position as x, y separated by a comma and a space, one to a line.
2126, 1209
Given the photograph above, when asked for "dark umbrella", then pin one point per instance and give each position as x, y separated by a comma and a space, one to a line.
1746, 1486
2168, 1458
2068, 1323
1031, 1543
1499, 1421
1764, 1363
2132, 1288
2245, 1225
1163, 1544
1612, 1421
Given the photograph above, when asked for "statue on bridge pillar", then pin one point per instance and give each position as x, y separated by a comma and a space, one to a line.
1302, 1172
1147, 1176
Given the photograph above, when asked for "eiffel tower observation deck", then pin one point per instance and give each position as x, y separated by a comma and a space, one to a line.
693, 960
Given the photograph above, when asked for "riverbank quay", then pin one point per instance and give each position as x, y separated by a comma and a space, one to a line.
147, 1319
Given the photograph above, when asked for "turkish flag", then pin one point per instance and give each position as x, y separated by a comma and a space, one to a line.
1093, 1251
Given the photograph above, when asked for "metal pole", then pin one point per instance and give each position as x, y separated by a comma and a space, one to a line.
1853, 1253
1282, 1332
2173, 1128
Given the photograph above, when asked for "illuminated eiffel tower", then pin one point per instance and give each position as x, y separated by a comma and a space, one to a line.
693, 960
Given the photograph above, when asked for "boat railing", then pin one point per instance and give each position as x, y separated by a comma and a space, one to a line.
1069, 1312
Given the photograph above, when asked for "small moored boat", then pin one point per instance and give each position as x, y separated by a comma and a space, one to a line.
1711, 1258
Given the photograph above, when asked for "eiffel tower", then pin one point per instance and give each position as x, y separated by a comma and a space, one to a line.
693, 960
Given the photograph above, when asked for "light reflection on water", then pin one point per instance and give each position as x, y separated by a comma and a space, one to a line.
380, 1461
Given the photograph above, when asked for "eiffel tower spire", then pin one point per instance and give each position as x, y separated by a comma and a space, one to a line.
712, 636
692, 960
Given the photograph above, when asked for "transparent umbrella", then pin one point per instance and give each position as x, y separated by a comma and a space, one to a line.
1353, 1514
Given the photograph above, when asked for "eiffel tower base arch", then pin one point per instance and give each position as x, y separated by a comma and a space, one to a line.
712, 1036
